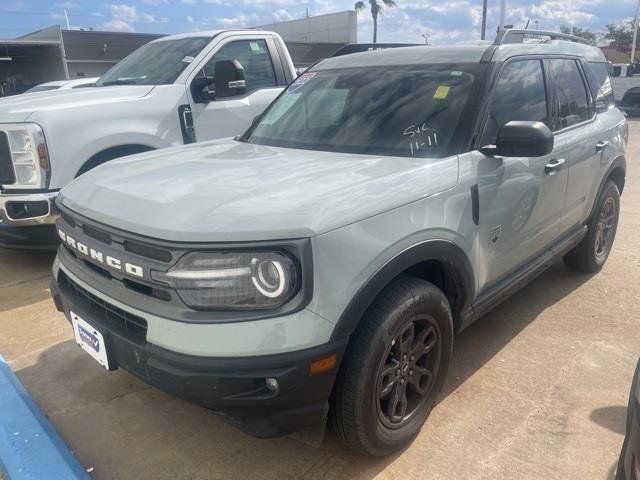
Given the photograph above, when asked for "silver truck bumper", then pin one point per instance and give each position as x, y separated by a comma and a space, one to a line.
28, 209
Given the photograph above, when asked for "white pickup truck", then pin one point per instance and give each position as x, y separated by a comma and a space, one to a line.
175, 90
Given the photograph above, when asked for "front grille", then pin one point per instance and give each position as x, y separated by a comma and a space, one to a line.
68, 218
7, 175
97, 234
130, 326
148, 251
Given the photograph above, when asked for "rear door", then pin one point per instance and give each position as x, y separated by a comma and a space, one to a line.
520, 198
230, 116
576, 133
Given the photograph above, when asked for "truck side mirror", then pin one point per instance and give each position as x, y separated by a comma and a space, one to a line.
522, 139
200, 91
229, 78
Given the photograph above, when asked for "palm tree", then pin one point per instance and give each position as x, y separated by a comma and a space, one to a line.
376, 8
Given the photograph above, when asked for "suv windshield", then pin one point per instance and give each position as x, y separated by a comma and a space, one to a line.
157, 63
407, 111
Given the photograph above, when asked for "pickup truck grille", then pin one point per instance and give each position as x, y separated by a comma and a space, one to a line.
7, 175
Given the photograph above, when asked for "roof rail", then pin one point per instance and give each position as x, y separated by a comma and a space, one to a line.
512, 35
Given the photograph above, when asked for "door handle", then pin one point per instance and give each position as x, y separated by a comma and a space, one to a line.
600, 146
552, 167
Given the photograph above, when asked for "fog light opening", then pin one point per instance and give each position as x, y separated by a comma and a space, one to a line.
272, 384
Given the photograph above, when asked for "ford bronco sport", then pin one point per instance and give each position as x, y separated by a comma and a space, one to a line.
320, 266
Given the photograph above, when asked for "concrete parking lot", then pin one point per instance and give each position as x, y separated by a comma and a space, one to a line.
537, 390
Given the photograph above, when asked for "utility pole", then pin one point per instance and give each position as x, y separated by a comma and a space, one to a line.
503, 8
426, 37
635, 35
66, 19
484, 19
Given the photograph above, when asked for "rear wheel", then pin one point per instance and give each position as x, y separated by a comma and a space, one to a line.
395, 368
592, 252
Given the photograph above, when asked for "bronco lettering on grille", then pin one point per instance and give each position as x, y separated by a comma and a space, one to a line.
100, 257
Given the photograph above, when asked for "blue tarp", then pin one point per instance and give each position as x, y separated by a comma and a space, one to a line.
30, 448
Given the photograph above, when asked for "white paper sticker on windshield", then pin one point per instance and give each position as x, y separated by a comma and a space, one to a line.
255, 46
300, 81
188, 59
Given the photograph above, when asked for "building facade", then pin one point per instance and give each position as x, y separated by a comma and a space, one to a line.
56, 54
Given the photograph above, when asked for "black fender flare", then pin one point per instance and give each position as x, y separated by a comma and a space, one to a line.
618, 163
443, 251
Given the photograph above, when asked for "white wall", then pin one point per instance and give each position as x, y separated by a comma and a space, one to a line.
90, 69
340, 27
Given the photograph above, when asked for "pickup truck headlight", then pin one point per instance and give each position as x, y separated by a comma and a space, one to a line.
29, 155
233, 280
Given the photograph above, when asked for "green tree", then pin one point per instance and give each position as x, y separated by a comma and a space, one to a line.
376, 9
587, 34
621, 34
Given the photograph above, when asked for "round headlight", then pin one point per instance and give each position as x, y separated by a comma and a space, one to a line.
233, 280
270, 278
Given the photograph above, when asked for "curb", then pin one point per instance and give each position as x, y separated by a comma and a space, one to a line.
30, 448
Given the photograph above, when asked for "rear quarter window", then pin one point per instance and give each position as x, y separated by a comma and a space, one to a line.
600, 84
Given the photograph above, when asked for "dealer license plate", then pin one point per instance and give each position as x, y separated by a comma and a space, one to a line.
90, 340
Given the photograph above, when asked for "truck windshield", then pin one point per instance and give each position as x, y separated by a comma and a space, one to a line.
156, 63
407, 111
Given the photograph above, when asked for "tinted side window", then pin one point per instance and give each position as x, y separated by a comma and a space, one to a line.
600, 83
519, 95
254, 57
572, 101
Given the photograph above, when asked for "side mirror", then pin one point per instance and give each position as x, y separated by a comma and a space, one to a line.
229, 76
522, 139
199, 90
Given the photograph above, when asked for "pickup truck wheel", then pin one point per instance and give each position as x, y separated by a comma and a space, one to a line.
592, 252
393, 373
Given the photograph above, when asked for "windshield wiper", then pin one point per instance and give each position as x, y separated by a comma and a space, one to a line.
119, 82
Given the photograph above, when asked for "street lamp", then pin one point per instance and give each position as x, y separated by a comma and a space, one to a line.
635, 35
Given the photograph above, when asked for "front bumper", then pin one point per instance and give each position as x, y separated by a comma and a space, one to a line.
27, 220
233, 386
629, 462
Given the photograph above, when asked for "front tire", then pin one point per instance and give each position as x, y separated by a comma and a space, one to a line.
395, 368
594, 249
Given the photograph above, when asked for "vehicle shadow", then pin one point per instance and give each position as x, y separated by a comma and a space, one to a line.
613, 418
125, 429
480, 342
18, 268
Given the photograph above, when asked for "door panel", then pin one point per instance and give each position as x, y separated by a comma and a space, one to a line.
520, 199
575, 130
229, 116
592, 148
583, 168
520, 210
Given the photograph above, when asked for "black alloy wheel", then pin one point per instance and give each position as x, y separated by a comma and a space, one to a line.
407, 374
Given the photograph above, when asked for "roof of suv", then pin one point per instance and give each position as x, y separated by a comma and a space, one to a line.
462, 53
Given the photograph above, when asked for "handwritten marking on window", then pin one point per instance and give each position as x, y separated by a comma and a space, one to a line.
420, 137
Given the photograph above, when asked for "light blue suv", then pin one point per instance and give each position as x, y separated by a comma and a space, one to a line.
320, 266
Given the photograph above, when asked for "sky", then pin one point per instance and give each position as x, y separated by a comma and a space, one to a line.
443, 21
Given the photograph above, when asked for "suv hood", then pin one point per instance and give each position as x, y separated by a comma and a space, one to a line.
232, 191
18, 108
